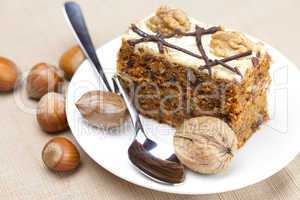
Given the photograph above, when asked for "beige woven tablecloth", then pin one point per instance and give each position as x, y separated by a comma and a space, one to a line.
34, 30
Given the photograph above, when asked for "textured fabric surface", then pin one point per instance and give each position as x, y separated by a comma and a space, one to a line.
34, 30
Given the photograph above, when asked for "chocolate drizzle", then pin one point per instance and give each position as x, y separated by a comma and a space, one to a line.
224, 64
159, 39
198, 33
235, 69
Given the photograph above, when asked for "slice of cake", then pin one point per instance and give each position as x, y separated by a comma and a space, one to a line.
177, 68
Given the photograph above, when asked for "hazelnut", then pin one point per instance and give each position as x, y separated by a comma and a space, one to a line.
8, 74
60, 154
71, 60
51, 114
43, 78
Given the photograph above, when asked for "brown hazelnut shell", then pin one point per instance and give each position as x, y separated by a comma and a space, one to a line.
8, 74
43, 78
60, 154
71, 60
51, 113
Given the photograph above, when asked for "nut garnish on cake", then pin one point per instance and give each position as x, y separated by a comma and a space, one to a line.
167, 20
182, 68
229, 43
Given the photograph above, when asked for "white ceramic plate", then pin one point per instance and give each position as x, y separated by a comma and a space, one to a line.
268, 151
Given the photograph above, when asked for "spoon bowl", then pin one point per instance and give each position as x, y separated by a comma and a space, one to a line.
158, 161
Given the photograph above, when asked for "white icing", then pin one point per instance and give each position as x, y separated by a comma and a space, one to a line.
189, 43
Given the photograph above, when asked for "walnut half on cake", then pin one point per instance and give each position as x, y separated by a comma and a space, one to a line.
178, 68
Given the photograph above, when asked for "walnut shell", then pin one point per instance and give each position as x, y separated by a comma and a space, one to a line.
205, 144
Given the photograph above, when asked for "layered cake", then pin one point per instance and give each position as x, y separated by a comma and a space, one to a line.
177, 68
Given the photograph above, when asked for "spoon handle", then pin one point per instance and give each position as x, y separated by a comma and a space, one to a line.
76, 20
134, 116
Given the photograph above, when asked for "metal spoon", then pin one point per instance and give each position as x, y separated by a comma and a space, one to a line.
156, 161
76, 21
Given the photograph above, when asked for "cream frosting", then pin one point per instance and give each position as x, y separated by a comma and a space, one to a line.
189, 43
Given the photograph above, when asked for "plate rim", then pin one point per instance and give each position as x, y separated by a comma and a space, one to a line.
164, 189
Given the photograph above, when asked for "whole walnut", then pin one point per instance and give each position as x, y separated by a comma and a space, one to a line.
205, 144
167, 20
